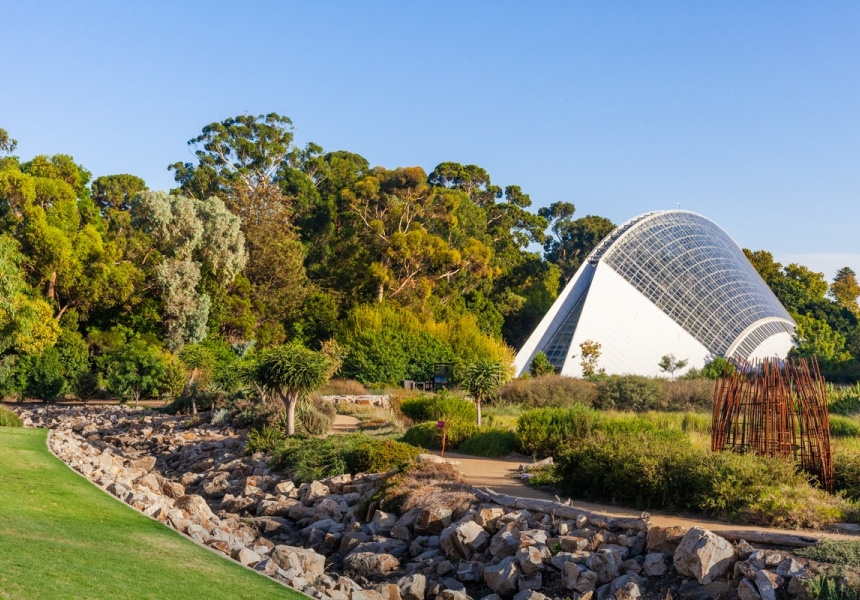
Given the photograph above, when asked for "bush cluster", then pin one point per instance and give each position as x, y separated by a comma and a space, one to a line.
548, 391
655, 470
309, 458
438, 407
9, 419
429, 435
491, 443
543, 432
846, 472
619, 392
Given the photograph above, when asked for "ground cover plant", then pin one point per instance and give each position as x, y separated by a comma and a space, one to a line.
308, 458
89, 545
9, 419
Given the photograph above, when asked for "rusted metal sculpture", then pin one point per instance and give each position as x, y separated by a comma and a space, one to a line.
775, 407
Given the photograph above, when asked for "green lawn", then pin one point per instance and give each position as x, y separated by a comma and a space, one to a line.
61, 537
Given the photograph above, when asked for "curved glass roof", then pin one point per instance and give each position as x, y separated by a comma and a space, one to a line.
696, 274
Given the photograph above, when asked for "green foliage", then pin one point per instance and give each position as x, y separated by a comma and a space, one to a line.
292, 371
9, 419
844, 401
846, 472
833, 585
549, 391
654, 470
492, 443
443, 406
833, 552
429, 435
378, 456
135, 370
545, 431
313, 421
630, 392
43, 374
541, 365
844, 426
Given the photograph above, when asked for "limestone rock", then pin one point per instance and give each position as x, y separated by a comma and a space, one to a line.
503, 577
195, 507
654, 564
703, 555
246, 557
367, 564
748, 591
306, 560
767, 584
664, 539
412, 587
578, 578
433, 520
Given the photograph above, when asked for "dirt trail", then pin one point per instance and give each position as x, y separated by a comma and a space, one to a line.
344, 424
500, 476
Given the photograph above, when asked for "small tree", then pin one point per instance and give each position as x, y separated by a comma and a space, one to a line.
669, 364
590, 355
199, 362
483, 379
135, 370
541, 365
292, 371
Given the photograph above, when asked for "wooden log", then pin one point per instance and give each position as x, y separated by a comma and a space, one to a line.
547, 462
768, 537
564, 511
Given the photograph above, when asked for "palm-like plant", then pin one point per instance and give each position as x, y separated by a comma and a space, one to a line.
292, 372
483, 379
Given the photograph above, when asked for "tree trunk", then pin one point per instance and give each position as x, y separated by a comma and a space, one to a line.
290, 401
478, 406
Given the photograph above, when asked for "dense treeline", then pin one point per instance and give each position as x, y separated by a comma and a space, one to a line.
107, 287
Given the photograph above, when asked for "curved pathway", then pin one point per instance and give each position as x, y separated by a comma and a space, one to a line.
500, 475
344, 424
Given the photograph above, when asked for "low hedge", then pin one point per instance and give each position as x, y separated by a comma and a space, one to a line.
438, 407
9, 419
491, 443
429, 435
543, 432
308, 458
658, 471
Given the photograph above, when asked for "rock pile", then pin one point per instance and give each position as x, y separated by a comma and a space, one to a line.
200, 481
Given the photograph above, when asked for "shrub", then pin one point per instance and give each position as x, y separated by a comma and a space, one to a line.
541, 365
9, 419
377, 456
491, 443
656, 470
429, 435
438, 407
844, 426
630, 392
343, 387
549, 391
265, 439
44, 375
545, 431
689, 394
311, 420
846, 471
220, 417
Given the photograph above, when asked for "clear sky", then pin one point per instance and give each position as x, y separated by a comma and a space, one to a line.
748, 113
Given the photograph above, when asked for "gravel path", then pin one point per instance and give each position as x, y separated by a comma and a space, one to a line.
499, 474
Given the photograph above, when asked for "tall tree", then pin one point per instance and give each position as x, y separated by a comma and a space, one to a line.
845, 289
572, 239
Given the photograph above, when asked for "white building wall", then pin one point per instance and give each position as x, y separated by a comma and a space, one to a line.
776, 345
633, 333
554, 317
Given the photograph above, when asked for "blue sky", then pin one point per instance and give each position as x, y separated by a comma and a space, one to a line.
748, 113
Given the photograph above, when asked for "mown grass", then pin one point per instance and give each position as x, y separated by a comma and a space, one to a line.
64, 538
